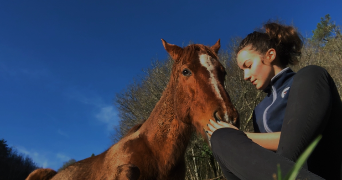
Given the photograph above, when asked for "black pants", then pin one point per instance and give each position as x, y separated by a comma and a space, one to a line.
314, 107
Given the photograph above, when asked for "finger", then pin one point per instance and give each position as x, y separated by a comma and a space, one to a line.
212, 122
224, 124
209, 133
231, 126
211, 128
216, 125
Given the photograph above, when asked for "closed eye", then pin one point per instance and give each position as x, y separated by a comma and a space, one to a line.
247, 64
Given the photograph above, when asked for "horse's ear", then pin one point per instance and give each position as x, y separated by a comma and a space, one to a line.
216, 46
174, 51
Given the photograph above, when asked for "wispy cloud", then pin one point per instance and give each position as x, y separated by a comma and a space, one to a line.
84, 97
44, 159
62, 133
63, 157
104, 113
107, 115
39, 158
23, 150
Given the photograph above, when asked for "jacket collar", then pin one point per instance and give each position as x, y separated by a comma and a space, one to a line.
278, 80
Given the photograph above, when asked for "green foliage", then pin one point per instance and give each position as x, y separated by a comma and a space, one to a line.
92, 155
301, 160
66, 164
326, 29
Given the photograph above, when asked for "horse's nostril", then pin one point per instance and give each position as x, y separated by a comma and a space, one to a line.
217, 116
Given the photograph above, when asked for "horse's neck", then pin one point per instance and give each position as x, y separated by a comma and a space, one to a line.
167, 135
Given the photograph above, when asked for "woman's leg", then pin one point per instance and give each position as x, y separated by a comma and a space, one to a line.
313, 108
238, 154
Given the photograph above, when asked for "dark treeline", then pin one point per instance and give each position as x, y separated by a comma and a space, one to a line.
14, 166
136, 102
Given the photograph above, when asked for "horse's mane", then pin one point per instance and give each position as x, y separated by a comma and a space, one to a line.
133, 129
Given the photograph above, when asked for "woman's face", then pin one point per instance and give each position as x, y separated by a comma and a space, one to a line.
257, 69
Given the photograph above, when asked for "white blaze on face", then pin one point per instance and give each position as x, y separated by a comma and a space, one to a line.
206, 62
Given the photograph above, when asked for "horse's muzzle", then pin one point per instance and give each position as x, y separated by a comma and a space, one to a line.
218, 118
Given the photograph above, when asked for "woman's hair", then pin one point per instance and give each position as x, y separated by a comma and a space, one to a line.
284, 39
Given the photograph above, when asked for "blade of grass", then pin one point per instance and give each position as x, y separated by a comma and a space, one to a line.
301, 160
279, 172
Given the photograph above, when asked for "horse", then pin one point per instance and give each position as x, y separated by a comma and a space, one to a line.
155, 149
42, 174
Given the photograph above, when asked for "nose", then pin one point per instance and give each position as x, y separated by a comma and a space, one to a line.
246, 75
222, 117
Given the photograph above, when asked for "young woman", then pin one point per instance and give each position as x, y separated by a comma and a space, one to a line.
298, 107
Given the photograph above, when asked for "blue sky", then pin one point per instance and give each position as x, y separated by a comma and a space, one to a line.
63, 61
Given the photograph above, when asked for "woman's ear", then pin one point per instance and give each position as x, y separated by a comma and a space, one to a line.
271, 55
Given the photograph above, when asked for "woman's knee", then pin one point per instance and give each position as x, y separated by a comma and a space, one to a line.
227, 138
313, 79
312, 71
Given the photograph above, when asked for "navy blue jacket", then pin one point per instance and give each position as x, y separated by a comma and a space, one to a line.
269, 114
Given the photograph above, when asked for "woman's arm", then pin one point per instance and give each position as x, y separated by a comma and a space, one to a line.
266, 140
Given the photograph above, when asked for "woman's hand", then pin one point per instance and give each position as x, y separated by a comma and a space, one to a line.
213, 126
267, 140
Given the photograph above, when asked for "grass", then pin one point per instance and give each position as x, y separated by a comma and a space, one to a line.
301, 160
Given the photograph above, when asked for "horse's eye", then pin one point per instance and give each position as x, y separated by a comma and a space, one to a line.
186, 72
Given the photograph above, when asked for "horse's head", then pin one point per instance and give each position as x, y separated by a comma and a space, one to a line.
198, 80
